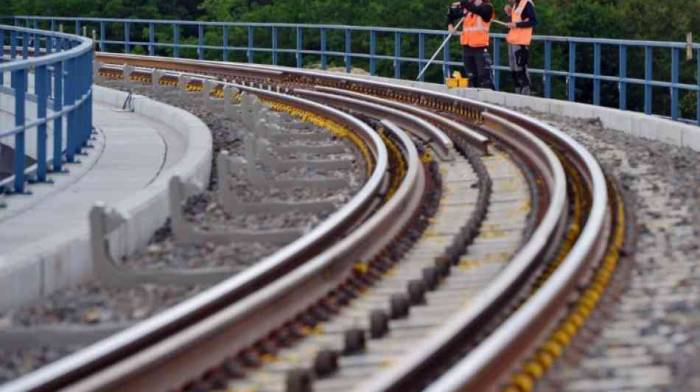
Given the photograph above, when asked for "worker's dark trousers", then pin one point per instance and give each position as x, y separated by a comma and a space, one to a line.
519, 59
477, 63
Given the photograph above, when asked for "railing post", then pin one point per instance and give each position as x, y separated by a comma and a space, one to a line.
224, 53
81, 134
200, 42
37, 44
151, 39
249, 52
13, 44
275, 44
19, 84
421, 54
90, 80
53, 25
2, 51
697, 93
127, 38
648, 73
103, 33
25, 45
622, 86
176, 40
372, 52
675, 77
496, 63
324, 43
446, 60
77, 27
87, 105
348, 51
69, 100
596, 73
49, 45
571, 79
58, 122
41, 87
397, 55
300, 45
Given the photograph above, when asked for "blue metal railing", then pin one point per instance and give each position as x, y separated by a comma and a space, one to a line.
50, 85
648, 76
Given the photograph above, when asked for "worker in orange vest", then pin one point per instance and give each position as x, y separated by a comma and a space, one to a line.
475, 38
522, 22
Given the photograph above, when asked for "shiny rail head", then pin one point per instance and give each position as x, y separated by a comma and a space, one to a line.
422, 129
85, 361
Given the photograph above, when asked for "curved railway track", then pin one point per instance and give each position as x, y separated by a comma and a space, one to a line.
490, 239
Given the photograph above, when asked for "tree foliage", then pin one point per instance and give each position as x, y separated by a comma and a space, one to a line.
668, 20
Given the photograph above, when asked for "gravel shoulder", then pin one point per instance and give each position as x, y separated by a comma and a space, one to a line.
648, 338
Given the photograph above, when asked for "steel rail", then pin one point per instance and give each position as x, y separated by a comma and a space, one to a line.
459, 130
103, 353
499, 292
503, 124
187, 354
485, 366
593, 231
522, 266
428, 133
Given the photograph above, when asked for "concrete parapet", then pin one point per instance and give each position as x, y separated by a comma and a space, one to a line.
64, 258
149, 208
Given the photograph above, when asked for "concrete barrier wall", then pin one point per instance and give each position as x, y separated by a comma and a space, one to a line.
632, 123
147, 210
64, 259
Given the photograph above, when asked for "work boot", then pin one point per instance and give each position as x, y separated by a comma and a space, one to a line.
525, 90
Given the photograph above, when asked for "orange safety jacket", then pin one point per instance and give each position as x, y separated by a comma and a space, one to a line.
475, 32
519, 35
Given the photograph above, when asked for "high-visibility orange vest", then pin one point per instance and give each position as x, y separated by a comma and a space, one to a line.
519, 35
475, 32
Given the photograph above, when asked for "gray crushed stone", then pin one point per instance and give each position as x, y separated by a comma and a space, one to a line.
18, 362
650, 339
93, 304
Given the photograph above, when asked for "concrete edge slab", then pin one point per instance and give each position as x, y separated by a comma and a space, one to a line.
34, 271
633, 123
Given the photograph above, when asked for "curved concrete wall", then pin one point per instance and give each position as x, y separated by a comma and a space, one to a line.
633, 123
65, 258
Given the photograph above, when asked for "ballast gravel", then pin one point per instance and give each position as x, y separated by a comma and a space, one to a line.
204, 212
648, 338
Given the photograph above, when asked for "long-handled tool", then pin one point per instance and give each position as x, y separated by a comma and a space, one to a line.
439, 49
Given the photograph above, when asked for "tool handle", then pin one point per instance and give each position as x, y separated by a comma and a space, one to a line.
439, 49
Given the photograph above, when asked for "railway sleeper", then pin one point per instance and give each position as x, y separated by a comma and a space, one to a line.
232, 204
103, 222
187, 233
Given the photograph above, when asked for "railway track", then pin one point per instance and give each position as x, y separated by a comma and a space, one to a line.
494, 239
